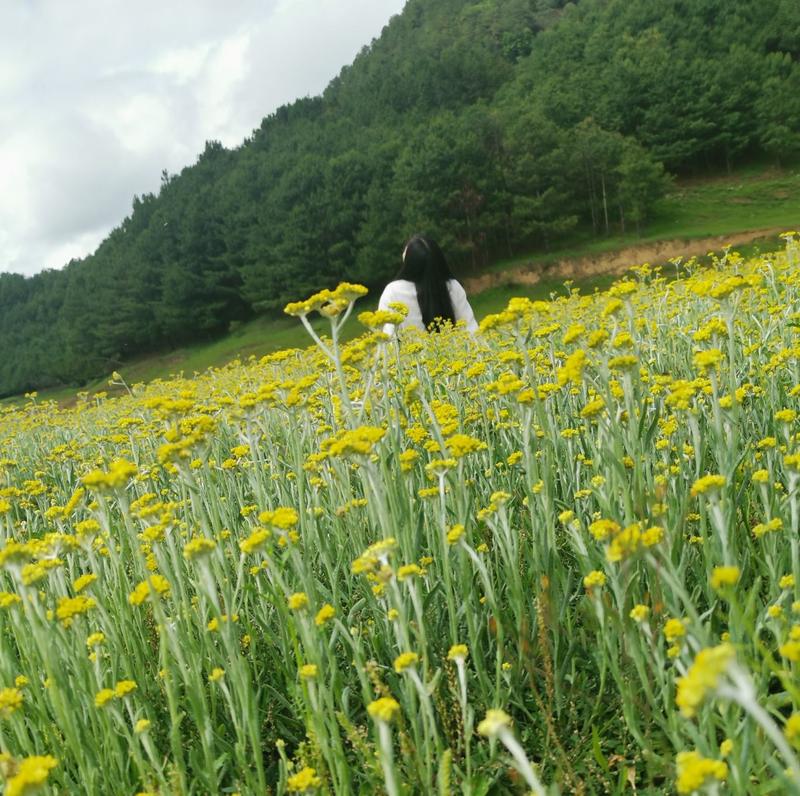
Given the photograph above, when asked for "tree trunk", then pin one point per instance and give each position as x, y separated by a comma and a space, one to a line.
508, 235
590, 186
605, 203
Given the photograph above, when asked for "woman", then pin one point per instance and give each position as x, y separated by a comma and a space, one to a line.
426, 286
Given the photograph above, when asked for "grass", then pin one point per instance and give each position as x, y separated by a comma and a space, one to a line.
751, 199
748, 200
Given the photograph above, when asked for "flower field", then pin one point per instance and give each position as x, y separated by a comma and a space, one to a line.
562, 556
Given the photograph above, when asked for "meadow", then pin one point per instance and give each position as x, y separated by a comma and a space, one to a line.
560, 556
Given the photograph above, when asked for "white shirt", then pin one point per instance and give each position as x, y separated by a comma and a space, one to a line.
406, 293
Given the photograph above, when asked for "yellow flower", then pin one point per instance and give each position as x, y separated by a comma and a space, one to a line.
198, 548
358, 442
143, 725
602, 529
597, 338
702, 677
255, 541
407, 459
309, 671
593, 408
724, 576
437, 467
708, 483
495, 722
460, 445
7, 600
706, 360
84, 581
572, 369
639, 613
786, 582
103, 697
116, 477
405, 661
383, 709
458, 652
790, 650
216, 675
409, 571
625, 543
10, 700
761, 476
303, 780
674, 629
594, 578
694, 771
70, 607
775, 524
573, 333
324, 615
652, 536
298, 601
792, 729
155, 584
284, 518
455, 533
124, 687
622, 362
614, 305
30, 775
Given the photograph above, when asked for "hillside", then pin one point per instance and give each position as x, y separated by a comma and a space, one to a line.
502, 127
747, 210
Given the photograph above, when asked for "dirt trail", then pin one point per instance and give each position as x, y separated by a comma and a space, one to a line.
615, 262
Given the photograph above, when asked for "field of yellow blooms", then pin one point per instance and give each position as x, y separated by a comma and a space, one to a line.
560, 556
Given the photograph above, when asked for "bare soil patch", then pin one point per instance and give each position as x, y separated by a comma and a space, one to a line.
655, 253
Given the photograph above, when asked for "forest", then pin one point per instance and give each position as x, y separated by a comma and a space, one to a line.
498, 126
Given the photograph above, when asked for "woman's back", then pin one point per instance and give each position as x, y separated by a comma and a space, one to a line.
405, 292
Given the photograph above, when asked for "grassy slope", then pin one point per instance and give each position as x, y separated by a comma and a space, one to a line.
747, 200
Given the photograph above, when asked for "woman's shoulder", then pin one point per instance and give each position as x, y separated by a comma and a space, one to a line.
399, 290
454, 286
399, 286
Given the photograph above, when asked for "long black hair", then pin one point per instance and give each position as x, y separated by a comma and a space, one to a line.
425, 265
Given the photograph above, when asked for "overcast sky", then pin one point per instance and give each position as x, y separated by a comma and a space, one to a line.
98, 96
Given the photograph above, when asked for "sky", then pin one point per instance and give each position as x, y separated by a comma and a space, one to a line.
97, 97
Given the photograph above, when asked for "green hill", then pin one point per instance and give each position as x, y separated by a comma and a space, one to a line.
751, 205
502, 127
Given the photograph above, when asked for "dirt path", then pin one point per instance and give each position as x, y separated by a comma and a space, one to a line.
615, 262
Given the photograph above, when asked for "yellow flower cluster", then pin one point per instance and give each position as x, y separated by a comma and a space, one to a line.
694, 771
702, 678
327, 302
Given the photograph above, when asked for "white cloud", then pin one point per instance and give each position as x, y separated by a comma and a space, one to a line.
98, 97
